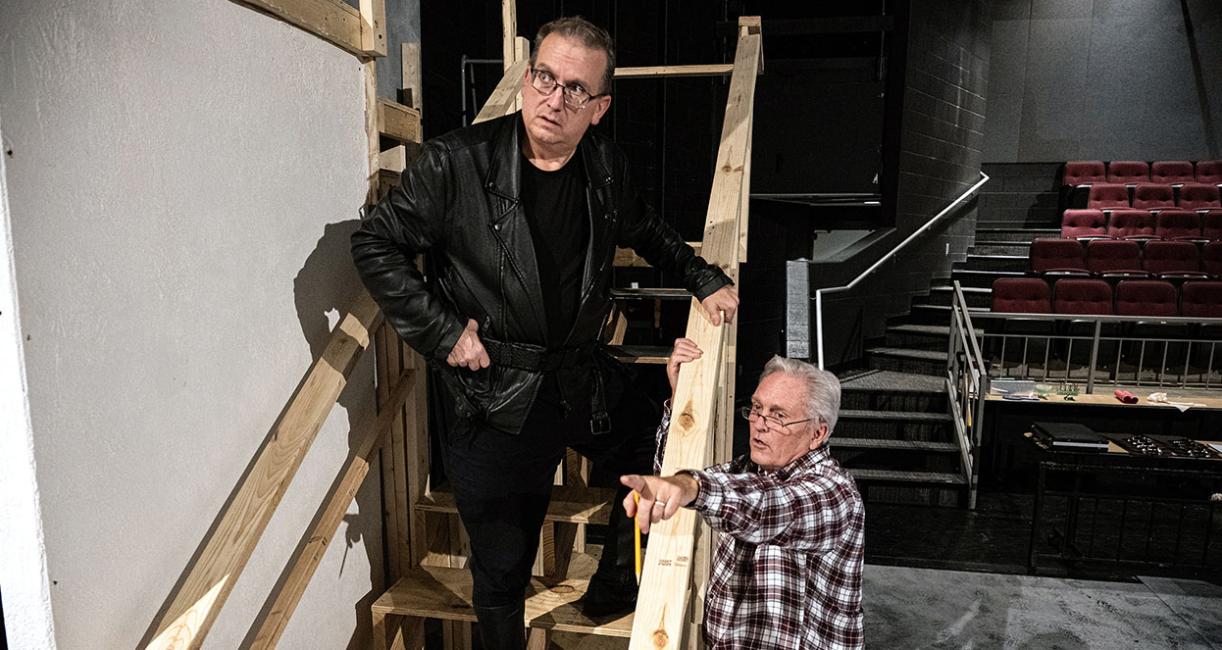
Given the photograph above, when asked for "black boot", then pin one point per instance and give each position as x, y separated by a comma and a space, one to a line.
613, 587
503, 627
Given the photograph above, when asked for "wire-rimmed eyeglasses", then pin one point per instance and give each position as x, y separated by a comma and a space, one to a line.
772, 422
575, 96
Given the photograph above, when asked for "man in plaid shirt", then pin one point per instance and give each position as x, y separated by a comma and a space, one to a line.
787, 570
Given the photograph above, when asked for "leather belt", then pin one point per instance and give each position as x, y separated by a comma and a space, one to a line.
536, 358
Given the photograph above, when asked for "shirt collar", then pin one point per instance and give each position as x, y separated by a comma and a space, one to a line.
805, 461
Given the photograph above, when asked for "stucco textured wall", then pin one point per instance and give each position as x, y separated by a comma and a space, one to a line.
182, 180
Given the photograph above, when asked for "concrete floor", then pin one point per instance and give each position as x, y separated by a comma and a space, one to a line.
926, 608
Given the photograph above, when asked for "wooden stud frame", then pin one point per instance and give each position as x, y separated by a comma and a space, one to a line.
359, 31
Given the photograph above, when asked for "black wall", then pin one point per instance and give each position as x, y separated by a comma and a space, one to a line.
941, 142
1105, 79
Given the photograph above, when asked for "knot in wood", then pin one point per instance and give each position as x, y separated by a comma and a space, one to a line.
660, 639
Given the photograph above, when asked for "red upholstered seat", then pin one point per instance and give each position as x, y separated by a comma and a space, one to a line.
1211, 224
1128, 171
1057, 256
1172, 259
1170, 224
1148, 196
1022, 296
1114, 256
1130, 223
1083, 172
1083, 223
1172, 172
1108, 195
1211, 258
1146, 298
1209, 171
1082, 296
1201, 299
1196, 196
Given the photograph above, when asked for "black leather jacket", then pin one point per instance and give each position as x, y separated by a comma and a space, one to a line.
459, 201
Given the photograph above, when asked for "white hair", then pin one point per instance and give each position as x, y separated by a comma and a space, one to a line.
822, 388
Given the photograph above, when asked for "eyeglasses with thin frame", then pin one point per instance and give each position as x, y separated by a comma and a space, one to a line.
772, 422
575, 96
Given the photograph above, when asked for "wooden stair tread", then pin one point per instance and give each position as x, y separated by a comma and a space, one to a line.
445, 593
640, 293
626, 258
571, 504
656, 354
897, 476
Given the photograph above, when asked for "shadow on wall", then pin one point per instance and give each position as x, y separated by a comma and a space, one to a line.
323, 290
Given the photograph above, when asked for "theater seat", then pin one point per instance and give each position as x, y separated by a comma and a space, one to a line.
1114, 258
1177, 224
1128, 171
1057, 257
1172, 172
1021, 296
1198, 196
1148, 196
1082, 296
1146, 298
1131, 224
1201, 299
1211, 224
1209, 172
1107, 195
1083, 172
1172, 260
1082, 224
1211, 258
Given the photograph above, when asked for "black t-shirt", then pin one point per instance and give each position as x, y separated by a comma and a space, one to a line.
555, 205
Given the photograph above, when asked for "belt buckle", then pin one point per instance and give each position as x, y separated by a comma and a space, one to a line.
600, 424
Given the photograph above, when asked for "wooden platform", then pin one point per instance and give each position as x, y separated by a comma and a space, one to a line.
569, 504
442, 593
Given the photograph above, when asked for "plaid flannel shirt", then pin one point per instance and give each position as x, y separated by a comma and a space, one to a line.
787, 569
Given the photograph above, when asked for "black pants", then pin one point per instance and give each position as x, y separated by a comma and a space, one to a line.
502, 483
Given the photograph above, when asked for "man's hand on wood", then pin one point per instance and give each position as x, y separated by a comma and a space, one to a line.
469, 351
724, 300
661, 496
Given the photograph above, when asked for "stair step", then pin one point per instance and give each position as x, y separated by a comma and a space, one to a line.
655, 354
571, 504
643, 293
907, 353
889, 381
1001, 248
912, 416
975, 296
885, 443
1015, 234
996, 262
982, 278
928, 330
896, 476
445, 594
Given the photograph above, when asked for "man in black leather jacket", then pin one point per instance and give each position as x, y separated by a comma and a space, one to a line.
521, 216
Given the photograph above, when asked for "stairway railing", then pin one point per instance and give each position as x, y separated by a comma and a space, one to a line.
967, 384
937, 218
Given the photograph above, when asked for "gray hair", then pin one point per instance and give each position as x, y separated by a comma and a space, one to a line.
822, 387
585, 32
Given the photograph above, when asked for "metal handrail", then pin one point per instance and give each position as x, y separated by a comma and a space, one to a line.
971, 329
984, 178
965, 367
1092, 318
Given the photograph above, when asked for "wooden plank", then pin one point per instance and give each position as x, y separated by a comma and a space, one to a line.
209, 578
330, 20
663, 602
509, 33
521, 52
503, 99
413, 77
570, 504
674, 71
373, 27
626, 257
443, 593
398, 534
283, 600
393, 159
372, 138
397, 121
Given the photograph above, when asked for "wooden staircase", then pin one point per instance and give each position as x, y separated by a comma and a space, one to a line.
433, 581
